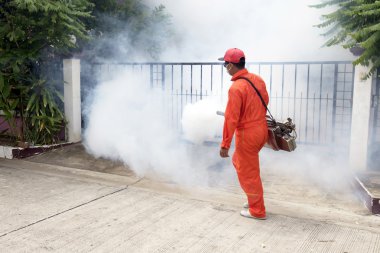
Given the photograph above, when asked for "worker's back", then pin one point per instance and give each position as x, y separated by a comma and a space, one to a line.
252, 109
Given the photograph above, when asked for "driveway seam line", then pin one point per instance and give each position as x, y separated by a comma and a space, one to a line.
64, 211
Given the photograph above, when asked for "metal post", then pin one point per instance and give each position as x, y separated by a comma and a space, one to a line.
295, 92
163, 76
334, 101
191, 83
211, 76
320, 104
221, 83
282, 89
151, 75
307, 99
201, 82
270, 82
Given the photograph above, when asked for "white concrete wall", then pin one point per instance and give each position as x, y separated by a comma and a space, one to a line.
361, 112
71, 77
6, 152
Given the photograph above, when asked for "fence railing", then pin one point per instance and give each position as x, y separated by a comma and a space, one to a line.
316, 95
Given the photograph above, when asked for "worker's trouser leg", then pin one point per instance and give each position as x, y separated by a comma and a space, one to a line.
248, 143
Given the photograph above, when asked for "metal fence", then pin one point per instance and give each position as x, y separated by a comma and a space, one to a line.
316, 95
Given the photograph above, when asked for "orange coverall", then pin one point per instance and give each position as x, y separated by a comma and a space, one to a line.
245, 115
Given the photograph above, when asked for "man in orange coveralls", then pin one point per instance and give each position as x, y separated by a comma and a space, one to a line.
245, 116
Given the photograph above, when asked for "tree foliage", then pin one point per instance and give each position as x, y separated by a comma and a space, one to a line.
33, 33
126, 30
355, 23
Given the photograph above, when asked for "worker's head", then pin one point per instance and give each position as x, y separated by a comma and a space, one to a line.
234, 60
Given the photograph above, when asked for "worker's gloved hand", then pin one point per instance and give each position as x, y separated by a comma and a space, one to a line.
224, 152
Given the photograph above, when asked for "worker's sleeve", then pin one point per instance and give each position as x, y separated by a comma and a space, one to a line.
231, 116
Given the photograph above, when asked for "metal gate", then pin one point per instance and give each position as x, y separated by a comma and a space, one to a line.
316, 95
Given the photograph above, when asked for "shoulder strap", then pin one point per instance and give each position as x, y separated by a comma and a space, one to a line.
258, 93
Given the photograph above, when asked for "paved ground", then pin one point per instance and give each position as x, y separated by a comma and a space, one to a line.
62, 201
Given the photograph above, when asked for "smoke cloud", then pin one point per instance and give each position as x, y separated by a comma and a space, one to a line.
273, 30
203, 112
128, 120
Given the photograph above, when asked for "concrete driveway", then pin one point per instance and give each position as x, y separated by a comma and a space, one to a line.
46, 207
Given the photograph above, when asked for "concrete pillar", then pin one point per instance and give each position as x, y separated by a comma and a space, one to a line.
361, 112
71, 77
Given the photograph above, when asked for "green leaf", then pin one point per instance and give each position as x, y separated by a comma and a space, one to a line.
44, 99
59, 95
6, 91
14, 104
8, 114
31, 101
15, 68
1, 82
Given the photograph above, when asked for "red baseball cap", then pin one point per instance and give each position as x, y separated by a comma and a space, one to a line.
232, 55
